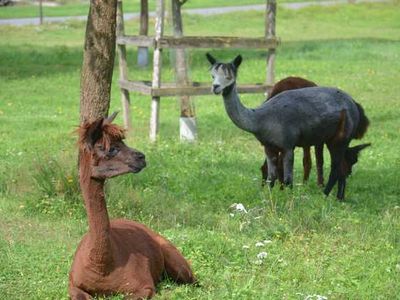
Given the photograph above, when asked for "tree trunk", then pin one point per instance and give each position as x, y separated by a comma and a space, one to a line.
98, 60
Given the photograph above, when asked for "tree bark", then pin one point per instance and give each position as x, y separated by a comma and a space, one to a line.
98, 60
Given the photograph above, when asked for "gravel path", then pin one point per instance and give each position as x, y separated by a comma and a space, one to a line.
194, 11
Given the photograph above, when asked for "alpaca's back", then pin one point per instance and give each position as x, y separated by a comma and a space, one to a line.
306, 116
290, 83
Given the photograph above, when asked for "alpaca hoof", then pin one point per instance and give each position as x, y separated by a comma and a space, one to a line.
288, 183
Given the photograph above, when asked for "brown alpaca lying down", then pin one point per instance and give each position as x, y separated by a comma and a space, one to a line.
117, 256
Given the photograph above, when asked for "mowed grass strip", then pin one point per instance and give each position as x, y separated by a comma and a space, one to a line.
314, 245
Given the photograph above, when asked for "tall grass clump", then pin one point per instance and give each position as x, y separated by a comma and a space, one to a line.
56, 188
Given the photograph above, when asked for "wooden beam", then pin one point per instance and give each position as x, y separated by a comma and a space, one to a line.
196, 88
143, 52
270, 17
157, 63
123, 69
143, 87
200, 42
136, 40
217, 42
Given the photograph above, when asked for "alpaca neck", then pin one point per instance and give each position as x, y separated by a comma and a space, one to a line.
100, 253
243, 117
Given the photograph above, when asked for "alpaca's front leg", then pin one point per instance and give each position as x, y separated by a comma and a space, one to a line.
306, 163
288, 160
341, 188
337, 156
319, 161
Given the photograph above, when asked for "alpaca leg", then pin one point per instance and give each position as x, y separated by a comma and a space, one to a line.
175, 264
279, 169
264, 172
319, 159
337, 156
341, 188
143, 293
272, 161
78, 294
288, 160
306, 163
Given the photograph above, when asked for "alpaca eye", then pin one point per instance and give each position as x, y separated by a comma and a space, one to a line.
113, 151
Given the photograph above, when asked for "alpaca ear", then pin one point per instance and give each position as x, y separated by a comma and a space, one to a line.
358, 148
210, 58
111, 118
237, 61
94, 132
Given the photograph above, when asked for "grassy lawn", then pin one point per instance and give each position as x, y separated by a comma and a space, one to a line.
316, 246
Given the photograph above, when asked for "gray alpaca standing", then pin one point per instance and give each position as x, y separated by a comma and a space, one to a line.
302, 117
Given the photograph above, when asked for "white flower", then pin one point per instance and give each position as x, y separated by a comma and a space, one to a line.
238, 207
246, 247
259, 244
317, 297
262, 255
267, 242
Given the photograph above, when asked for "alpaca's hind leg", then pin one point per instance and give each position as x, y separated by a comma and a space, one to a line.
78, 294
272, 161
306, 163
288, 160
264, 172
176, 265
319, 161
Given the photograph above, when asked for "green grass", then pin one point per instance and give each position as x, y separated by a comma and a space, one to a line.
345, 250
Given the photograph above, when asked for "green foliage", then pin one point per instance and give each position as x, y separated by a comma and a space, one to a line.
313, 244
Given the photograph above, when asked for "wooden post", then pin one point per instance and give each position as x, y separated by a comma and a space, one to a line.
143, 52
155, 101
270, 16
41, 12
123, 68
187, 122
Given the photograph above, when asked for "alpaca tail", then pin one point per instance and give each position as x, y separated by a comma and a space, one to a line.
362, 124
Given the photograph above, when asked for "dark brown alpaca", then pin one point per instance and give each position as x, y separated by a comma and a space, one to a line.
292, 83
117, 256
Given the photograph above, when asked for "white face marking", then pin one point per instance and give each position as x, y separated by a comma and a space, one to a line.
222, 76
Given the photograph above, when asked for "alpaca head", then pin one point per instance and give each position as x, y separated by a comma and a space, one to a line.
104, 153
351, 157
223, 74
